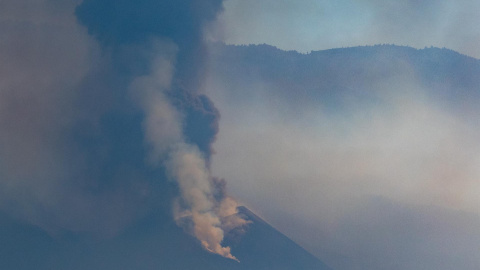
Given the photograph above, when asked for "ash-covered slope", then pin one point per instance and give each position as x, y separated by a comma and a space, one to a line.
151, 244
263, 247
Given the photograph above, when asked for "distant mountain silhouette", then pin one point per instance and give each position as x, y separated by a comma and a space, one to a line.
401, 96
327, 76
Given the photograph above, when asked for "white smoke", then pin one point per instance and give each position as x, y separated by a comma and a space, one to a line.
184, 162
227, 211
188, 168
55, 89
162, 121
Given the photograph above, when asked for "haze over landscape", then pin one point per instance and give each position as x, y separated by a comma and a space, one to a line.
132, 132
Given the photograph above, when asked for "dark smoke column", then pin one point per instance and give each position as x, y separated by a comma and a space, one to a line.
159, 49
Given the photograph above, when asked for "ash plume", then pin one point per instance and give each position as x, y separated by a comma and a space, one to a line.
188, 168
101, 103
168, 91
184, 162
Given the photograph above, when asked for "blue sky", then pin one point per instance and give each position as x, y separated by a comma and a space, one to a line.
388, 186
307, 25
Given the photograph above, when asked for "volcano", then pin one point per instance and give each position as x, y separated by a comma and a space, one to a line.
147, 246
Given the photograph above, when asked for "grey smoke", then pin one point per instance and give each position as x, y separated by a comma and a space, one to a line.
184, 162
91, 117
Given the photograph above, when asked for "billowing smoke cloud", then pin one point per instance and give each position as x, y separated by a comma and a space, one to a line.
167, 91
100, 103
187, 166
184, 162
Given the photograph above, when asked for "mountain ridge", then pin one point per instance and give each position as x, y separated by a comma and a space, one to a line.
329, 75
265, 46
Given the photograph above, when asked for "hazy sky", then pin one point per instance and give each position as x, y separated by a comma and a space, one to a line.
391, 183
307, 25
388, 186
